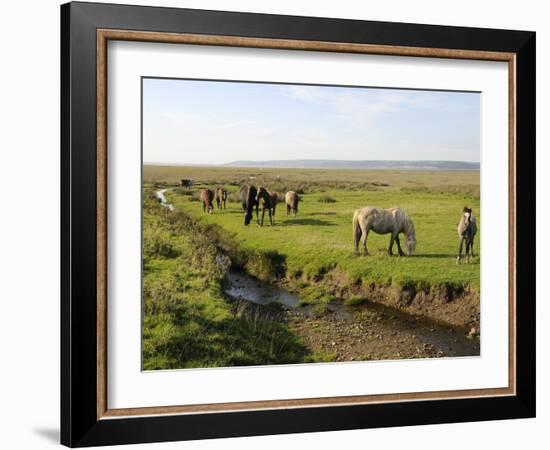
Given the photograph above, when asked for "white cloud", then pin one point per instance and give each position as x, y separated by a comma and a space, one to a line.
356, 105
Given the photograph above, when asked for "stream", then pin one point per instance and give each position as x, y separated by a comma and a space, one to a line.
352, 332
162, 198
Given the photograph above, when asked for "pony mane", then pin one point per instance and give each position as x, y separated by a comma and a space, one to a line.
409, 228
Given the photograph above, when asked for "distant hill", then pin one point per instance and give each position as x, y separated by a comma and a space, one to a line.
344, 164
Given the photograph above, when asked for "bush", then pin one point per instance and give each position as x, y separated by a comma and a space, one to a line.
183, 191
326, 199
157, 243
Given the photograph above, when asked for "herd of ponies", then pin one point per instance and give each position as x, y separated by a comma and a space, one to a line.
393, 221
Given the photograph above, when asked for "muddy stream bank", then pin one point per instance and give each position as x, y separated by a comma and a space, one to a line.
370, 331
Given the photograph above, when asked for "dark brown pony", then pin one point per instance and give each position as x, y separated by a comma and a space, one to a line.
267, 201
207, 197
291, 200
248, 200
221, 197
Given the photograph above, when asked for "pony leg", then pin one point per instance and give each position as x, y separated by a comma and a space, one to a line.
459, 249
270, 217
365, 232
401, 253
365, 249
357, 234
288, 210
472, 248
390, 249
203, 207
263, 215
257, 219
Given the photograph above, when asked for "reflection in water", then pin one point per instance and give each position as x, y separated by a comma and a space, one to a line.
250, 289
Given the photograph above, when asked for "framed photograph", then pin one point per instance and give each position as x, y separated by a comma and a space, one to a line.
277, 224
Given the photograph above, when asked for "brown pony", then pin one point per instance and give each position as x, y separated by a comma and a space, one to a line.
207, 196
221, 197
248, 200
291, 200
267, 201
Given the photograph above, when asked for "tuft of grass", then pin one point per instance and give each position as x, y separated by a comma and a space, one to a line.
355, 301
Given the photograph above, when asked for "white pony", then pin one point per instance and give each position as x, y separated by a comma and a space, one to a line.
384, 221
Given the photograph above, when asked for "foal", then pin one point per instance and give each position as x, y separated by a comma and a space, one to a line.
267, 201
467, 229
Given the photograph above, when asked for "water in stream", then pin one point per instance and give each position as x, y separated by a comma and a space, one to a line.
162, 198
245, 287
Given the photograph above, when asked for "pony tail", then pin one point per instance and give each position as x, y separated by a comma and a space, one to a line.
355, 228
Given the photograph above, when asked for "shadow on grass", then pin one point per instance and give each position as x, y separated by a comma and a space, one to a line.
440, 255
316, 222
252, 335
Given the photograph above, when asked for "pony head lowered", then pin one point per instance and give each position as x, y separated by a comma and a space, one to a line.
410, 236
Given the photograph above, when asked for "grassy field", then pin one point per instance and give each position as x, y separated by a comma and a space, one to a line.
189, 322
319, 238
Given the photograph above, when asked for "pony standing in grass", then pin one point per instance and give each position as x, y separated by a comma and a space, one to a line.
467, 230
384, 221
207, 197
267, 201
291, 201
221, 197
248, 200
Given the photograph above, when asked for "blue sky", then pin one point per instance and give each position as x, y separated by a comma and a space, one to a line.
211, 122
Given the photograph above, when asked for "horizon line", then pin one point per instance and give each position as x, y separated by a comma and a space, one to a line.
159, 163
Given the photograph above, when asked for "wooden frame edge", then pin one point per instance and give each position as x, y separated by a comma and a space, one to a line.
101, 225
103, 35
304, 403
289, 44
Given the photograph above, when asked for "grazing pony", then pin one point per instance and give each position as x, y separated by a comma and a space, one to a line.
291, 200
268, 201
467, 229
207, 197
384, 221
221, 197
248, 200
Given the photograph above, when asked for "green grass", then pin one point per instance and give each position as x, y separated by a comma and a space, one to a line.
319, 238
187, 321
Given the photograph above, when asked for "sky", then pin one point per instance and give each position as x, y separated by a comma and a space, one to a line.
217, 122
